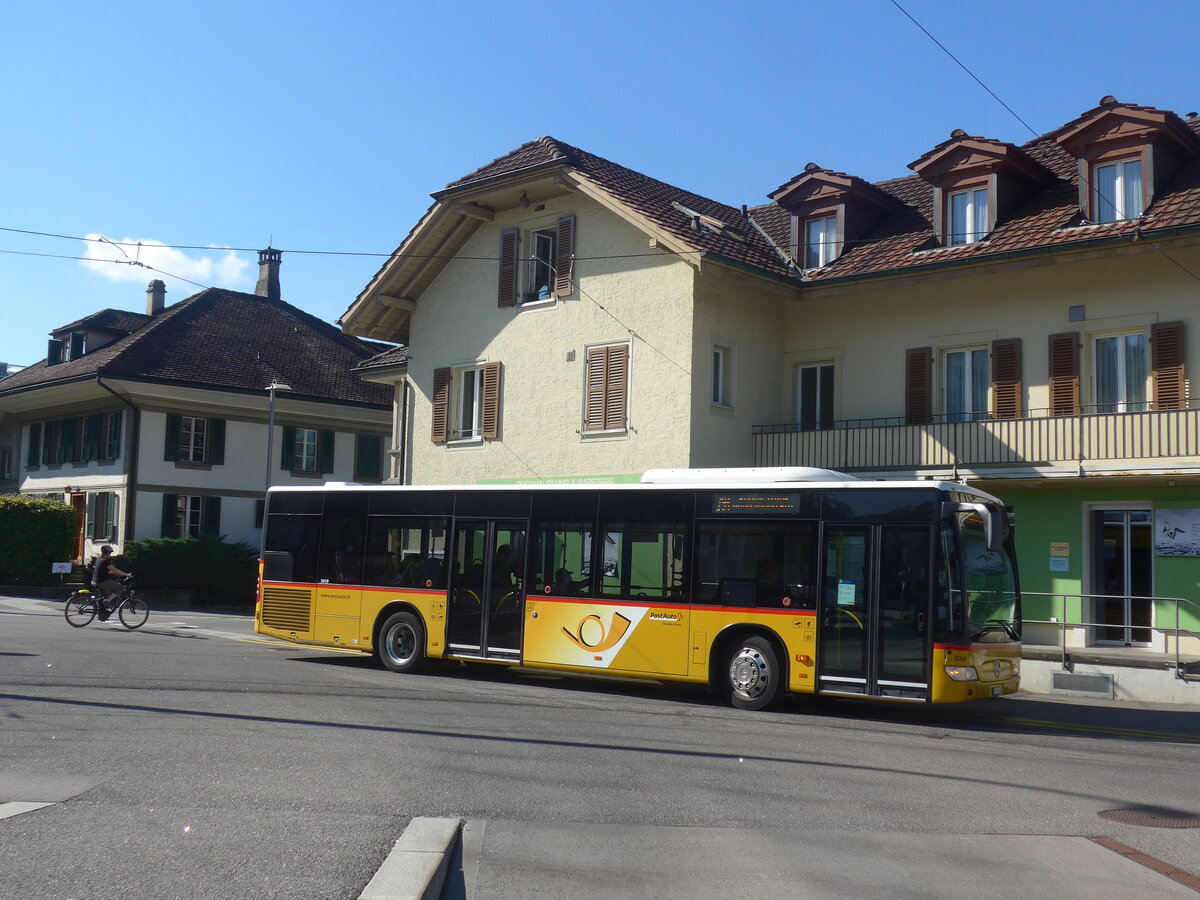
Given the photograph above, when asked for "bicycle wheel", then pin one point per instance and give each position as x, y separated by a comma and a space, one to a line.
134, 612
80, 609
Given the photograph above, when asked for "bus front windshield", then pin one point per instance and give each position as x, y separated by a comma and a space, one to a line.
993, 613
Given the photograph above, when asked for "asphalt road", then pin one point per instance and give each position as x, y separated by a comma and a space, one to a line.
194, 759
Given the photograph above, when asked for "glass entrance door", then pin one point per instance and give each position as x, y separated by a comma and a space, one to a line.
487, 589
1122, 575
874, 610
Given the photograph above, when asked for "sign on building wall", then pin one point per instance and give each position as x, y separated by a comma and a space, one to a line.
1177, 532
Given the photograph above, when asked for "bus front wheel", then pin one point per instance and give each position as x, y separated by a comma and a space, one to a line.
402, 642
753, 675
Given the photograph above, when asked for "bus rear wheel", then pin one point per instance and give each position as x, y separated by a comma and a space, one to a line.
753, 674
402, 642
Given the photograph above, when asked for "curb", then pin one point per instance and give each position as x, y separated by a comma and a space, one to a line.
416, 867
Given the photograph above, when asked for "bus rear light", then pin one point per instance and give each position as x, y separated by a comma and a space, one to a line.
962, 673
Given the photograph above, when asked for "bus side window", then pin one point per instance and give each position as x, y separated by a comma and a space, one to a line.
765, 564
642, 545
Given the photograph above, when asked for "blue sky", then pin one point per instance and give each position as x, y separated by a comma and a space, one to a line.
325, 126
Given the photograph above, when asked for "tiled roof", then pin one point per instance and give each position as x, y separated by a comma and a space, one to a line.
227, 340
116, 320
1048, 218
655, 200
393, 356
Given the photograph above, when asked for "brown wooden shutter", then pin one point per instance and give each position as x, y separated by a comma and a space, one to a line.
564, 257
441, 405
918, 386
491, 401
510, 241
606, 391
1007, 388
1064, 374
1166, 362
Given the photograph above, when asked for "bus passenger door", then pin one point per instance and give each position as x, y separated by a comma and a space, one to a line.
874, 611
487, 590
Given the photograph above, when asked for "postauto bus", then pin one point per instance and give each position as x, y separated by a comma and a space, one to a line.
753, 581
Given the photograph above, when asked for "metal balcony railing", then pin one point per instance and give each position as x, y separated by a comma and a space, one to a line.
1097, 435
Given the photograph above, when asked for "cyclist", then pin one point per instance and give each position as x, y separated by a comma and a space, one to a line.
104, 577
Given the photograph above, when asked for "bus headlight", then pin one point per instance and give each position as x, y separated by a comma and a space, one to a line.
962, 673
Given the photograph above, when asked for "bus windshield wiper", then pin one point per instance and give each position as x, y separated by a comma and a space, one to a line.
1004, 624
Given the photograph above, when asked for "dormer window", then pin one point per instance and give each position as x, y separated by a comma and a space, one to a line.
968, 216
820, 241
1117, 190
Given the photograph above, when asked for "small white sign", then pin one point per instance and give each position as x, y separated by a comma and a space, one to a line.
60, 568
1059, 564
846, 593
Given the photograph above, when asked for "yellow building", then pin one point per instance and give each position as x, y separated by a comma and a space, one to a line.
1015, 317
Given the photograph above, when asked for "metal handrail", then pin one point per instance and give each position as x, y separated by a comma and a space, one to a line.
1096, 409
1065, 623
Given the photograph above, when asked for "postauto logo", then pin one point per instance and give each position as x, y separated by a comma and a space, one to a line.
593, 635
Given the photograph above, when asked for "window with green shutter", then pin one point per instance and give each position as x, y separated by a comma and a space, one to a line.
368, 457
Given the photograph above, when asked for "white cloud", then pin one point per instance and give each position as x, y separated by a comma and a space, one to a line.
222, 268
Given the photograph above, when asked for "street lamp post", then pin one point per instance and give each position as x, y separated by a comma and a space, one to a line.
271, 389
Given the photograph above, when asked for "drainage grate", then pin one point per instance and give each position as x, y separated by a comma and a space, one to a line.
1153, 818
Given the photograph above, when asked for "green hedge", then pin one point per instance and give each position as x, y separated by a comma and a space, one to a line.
35, 534
218, 573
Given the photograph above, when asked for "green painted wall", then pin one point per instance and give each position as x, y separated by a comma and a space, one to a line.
1049, 515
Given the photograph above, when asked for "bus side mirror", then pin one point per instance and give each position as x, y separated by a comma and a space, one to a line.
993, 525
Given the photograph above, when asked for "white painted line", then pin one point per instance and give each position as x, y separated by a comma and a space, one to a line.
16, 807
416, 867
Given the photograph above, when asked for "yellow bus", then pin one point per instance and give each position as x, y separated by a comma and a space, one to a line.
756, 582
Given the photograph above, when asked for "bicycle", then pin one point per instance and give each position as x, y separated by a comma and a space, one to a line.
84, 605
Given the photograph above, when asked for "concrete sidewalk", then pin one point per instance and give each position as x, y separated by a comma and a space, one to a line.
506, 860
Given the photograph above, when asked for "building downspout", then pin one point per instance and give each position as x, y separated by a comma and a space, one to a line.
402, 437
131, 470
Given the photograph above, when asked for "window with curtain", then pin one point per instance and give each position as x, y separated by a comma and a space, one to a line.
820, 241
966, 384
968, 216
814, 396
1122, 373
1117, 190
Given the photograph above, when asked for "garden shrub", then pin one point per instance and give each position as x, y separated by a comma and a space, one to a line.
217, 572
35, 533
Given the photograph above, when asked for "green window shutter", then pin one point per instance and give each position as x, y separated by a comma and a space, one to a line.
171, 444
67, 441
34, 455
77, 344
170, 513
368, 457
110, 521
210, 519
54, 352
90, 527
216, 441
325, 452
287, 452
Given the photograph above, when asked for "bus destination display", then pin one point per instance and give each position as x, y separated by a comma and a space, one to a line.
757, 502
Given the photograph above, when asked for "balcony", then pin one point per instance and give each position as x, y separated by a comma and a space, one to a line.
1094, 442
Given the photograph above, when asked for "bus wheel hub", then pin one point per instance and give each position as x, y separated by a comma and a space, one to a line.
748, 671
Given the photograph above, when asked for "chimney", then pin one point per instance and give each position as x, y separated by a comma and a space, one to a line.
268, 273
156, 297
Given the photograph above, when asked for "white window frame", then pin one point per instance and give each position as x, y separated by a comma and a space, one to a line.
189, 512
307, 450
825, 369
722, 375
975, 214
972, 388
823, 250
1116, 208
193, 439
6, 464
1123, 401
466, 424
541, 258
